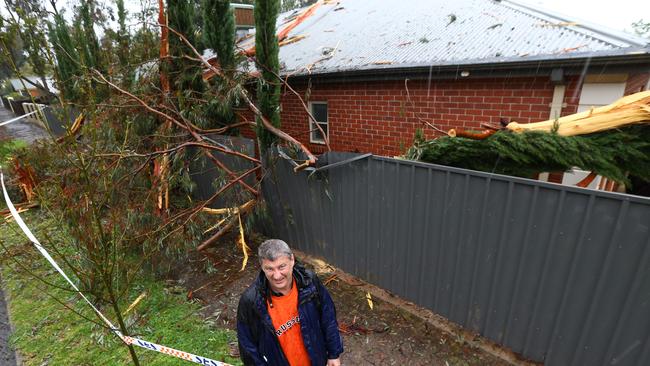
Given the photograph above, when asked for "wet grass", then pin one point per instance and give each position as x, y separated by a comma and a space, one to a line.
7, 148
46, 333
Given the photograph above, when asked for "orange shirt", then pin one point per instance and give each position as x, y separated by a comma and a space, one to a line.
286, 321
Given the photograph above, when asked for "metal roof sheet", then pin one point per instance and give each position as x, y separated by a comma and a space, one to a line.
352, 35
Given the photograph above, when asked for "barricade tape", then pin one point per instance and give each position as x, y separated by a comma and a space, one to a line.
126, 339
17, 118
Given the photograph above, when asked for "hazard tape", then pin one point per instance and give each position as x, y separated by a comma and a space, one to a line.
126, 339
18, 118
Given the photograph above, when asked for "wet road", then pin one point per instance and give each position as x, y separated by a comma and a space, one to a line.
24, 129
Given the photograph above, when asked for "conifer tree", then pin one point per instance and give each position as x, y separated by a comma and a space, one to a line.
123, 41
267, 50
219, 35
88, 42
67, 59
219, 31
184, 74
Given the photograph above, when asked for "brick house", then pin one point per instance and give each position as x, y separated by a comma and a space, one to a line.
373, 72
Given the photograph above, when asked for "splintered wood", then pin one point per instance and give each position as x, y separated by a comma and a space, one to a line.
632, 109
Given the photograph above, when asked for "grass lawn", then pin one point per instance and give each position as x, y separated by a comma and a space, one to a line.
7, 147
46, 333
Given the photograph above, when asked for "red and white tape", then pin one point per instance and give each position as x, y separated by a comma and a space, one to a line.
126, 339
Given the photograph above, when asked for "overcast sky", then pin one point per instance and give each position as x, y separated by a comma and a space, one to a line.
618, 15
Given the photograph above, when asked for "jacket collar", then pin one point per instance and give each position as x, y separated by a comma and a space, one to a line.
303, 279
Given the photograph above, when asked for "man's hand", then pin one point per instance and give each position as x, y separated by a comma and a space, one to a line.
336, 362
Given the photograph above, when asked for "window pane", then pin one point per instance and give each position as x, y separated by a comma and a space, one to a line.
319, 111
324, 127
316, 136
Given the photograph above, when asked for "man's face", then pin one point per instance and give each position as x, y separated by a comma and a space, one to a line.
279, 273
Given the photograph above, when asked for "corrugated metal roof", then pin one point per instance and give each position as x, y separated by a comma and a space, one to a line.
361, 34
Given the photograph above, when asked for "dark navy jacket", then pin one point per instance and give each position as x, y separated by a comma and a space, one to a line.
258, 344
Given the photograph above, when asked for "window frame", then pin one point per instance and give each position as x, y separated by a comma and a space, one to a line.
311, 123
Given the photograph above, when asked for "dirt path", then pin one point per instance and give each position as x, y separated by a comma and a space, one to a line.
7, 355
383, 335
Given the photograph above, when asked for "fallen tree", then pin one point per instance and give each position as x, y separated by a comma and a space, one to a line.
612, 141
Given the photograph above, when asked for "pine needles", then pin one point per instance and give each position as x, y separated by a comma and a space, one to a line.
612, 154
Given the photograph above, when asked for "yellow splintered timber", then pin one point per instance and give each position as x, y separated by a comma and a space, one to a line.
234, 211
628, 110
242, 241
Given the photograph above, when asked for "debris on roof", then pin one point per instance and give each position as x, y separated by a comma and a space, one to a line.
452, 18
415, 33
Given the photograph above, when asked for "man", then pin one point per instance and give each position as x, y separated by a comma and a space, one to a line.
287, 317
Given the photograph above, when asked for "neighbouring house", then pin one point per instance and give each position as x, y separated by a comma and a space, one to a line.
372, 72
244, 19
28, 87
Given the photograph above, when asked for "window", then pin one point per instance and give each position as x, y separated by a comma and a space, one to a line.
599, 94
319, 111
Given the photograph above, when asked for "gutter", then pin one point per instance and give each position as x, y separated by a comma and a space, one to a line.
629, 62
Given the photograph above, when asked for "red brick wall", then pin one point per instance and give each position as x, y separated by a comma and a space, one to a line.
636, 83
382, 117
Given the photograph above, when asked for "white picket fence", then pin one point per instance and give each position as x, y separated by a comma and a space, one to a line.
39, 116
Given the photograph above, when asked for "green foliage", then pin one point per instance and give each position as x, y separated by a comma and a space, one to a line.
294, 4
91, 55
11, 49
32, 32
68, 62
48, 333
642, 28
184, 73
611, 153
267, 50
108, 204
145, 42
219, 30
219, 35
8, 148
123, 42
87, 41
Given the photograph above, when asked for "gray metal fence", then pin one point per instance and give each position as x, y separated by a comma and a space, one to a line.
209, 178
557, 274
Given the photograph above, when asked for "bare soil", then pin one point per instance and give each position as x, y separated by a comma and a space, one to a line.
383, 335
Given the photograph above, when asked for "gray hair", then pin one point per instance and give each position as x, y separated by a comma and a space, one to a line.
273, 249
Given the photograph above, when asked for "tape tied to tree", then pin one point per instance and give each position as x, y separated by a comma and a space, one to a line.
126, 339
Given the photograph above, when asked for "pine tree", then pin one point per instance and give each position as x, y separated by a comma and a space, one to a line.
185, 74
67, 59
219, 31
123, 41
219, 35
612, 154
87, 40
267, 50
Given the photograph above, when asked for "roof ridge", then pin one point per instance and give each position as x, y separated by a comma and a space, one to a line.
590, 27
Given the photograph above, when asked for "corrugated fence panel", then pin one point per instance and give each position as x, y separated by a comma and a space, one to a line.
558, 274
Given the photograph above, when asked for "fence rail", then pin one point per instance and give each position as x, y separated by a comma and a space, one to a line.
39, 116
558, 274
